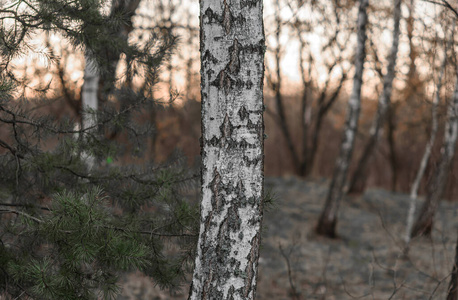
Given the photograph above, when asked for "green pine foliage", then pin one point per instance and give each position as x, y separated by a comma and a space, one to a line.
67, 230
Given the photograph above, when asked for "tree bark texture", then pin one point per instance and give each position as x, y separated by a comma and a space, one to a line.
453, 287
232, 55
328, 219
424, 222
429, 146
358, 182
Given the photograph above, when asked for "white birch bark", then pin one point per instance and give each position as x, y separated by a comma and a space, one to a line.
89, 103
232, 55
328, 219
89, 94
384, 101
423, 224
429, 146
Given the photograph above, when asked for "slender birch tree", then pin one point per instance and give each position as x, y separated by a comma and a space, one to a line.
429, 147
89, 93
232, 55
424, 222
359, 177
328, 219
93, 77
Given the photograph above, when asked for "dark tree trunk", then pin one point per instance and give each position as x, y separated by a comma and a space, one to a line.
323, 108
304, 166
328, 219
392, 144
305, 78
278, 96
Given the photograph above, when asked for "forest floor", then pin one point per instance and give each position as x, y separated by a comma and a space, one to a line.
365, 262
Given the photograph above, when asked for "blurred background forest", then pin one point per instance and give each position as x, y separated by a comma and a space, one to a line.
310, 48
150, 73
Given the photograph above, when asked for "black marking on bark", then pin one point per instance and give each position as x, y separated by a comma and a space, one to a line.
224, 243
239, 84
244, 144
209, 57
253, 161
223, 81
254, 48
207, 283
227, 18
249, 84
210, 72
234, 262
204, 247
226, 128
213, 142
230, 295
234, 64
254, 221
243, 113
249, 3
251, 125
251, 267
215, 187
210, 15
240, 192
233, 217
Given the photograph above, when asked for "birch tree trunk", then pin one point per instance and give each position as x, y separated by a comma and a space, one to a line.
424, 223
428, 149
328, 219
358, 182
89, 94
89, 104
453, 287
232, 56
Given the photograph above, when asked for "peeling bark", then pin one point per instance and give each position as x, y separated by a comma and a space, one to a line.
232, 56
358, 182
328, 219
424, 223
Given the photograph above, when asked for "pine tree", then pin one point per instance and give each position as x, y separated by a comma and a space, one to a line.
68, 230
